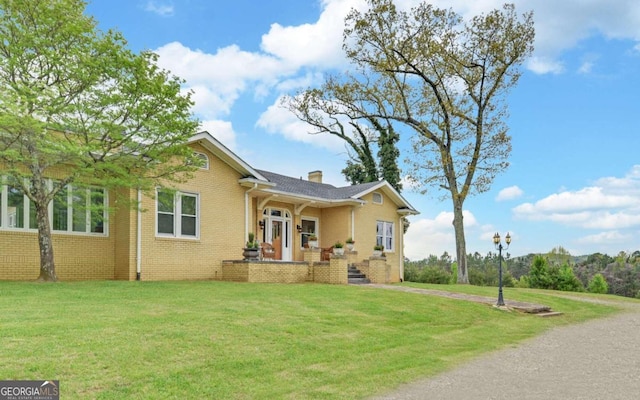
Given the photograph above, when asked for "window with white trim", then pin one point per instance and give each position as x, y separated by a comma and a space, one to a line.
309, 227
385, 235
86, 207
204, 160
177, 214
377, 198
73, 209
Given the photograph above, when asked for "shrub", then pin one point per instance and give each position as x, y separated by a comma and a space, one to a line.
434, 275
411, 272
539, 276
567, 281
598, 284
454, 273
523, 282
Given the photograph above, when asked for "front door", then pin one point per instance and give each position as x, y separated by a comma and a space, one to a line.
278, 232
276, 237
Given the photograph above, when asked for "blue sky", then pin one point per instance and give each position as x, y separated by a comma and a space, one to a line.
574, 179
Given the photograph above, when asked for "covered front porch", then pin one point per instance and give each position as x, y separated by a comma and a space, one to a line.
311, 269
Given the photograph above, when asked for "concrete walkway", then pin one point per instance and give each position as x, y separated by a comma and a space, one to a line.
595, 360
516, 305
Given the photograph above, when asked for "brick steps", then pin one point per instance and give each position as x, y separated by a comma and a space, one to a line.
356, 277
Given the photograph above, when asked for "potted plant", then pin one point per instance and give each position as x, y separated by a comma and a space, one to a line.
338, 248
377, 250
313, 241
350, 243
251, 250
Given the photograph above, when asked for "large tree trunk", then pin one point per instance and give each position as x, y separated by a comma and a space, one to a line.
47, 265
461, 244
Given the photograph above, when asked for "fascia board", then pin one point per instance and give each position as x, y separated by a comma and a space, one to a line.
397, 197
226, 155
313, 198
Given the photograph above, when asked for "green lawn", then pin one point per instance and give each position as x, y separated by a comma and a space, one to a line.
156, 340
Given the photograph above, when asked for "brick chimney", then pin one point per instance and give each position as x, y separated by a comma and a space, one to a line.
315, 176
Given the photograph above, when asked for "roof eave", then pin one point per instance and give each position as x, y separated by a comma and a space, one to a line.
317, 200
407, 211
227, 156
248, 182
399, 200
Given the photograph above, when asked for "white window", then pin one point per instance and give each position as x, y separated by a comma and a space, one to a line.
86, 207
177, 214
377, 198
204, 160
74, 209
385, 235
309, 227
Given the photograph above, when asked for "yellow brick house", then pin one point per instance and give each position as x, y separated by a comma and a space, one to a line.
188, 234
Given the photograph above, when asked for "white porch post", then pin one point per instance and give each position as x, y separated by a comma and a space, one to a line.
246, 210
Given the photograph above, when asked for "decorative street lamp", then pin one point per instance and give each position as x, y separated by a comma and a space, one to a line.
498, 244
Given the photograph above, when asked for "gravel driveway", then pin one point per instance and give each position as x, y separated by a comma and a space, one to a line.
599, 359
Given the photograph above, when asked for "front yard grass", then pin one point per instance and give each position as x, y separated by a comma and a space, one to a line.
181, 340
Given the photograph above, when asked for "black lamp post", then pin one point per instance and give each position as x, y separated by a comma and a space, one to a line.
498, 244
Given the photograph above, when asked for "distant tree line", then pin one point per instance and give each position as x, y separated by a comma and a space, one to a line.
555, 270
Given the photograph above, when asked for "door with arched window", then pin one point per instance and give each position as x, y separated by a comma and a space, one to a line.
277, 231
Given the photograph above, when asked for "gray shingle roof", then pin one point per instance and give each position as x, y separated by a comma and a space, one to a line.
299, 186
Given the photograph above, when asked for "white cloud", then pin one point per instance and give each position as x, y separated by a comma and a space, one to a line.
510, 193
164, 10
219, 79
607, 237
296, 56
410, 184
434, 236
318, 44
612, 203
561, 25
585, 68
543, 65
279, 120
584, 199
221, 130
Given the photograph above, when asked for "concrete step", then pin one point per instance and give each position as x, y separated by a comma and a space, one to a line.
548, 314
356, 277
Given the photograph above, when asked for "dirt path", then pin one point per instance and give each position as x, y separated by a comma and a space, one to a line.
595, 360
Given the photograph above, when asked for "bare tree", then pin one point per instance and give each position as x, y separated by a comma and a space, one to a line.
444, 82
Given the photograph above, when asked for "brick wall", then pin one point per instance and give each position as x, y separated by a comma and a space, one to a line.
221, 226
332, 272
265, 272
77, 257
378, 271
365, 235
335, 225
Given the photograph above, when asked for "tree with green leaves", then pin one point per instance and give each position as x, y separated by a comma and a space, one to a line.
361, 135
78, 107
443, 82
598, 284
388, 154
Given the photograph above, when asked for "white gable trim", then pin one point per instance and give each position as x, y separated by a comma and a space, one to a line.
227, 156
393, 194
